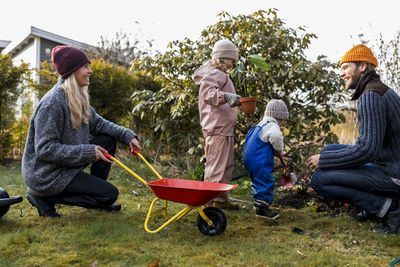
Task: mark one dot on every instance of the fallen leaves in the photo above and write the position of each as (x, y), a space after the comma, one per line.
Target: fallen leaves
(154, 264)
(301, 254)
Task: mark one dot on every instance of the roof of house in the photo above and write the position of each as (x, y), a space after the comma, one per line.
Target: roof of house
(36, 32)
(4, 43)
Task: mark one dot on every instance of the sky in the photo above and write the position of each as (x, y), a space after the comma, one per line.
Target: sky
(336, 23)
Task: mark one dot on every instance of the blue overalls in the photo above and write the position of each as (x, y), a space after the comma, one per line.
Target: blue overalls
(258, 160)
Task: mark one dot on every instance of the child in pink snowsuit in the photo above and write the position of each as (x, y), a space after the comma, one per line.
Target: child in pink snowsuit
(218, 116)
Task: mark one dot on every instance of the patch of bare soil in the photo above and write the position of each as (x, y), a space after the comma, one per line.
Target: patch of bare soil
(302, 195)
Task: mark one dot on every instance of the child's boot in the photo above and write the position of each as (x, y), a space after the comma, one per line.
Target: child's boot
(263, 211)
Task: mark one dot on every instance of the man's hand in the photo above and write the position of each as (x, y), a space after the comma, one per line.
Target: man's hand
(134, 144)
(99, 154)
(313, 161)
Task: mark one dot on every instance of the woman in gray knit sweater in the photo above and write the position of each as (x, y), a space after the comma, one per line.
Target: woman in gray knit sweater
(58, 144)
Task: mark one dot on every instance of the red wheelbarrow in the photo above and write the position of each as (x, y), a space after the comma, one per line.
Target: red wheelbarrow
(211, 221)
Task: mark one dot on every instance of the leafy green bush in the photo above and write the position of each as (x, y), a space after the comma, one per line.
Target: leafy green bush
(11, 87)
(310, 89)
(110, 89)
(47, 79)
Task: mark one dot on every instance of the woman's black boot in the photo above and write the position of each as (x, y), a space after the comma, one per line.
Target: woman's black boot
(44, 207)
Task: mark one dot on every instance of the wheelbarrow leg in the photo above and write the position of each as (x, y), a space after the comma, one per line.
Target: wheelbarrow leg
(175, 217)
(163, 210)
(217, 219)
(204, 216)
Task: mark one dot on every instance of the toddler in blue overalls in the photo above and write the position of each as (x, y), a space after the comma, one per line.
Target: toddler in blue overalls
(262, 142)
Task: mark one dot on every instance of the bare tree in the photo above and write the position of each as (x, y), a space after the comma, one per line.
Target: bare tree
(387, 53)
(122, 49)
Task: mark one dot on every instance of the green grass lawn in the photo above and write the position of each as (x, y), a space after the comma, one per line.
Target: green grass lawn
(84, 237)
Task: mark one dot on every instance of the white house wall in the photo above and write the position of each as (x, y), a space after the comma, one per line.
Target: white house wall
(29, 55)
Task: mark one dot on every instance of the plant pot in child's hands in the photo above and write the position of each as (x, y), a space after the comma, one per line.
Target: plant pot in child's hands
(248, 104)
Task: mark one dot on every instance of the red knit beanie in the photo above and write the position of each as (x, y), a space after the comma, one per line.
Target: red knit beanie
(67, 59)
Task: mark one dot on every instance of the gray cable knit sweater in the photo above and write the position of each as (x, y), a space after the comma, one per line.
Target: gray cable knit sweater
(54, 151)
(378, 112)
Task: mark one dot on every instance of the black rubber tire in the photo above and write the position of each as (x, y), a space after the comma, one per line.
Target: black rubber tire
(218, 218)
(4, 209)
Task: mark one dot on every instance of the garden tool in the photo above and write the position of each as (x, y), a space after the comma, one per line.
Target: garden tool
(288, 178)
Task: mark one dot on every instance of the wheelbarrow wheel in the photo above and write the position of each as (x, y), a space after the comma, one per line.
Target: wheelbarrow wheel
(218, 218)
(3, 209)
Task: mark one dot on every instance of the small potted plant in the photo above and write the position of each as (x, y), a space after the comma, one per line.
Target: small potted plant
(247, 102)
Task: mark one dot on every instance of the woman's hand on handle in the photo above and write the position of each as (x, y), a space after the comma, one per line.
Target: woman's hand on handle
(134, 145)
(99, 154)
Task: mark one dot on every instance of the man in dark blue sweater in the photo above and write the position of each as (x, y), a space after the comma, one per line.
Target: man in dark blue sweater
(366, 174)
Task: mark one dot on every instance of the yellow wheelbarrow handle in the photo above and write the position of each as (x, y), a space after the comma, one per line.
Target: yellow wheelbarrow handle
(127, 169)
(145, 161)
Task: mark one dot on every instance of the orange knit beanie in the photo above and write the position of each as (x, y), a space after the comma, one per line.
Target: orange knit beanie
(359, 53)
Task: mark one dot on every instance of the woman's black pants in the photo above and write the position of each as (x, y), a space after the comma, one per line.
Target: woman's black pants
(91, 190)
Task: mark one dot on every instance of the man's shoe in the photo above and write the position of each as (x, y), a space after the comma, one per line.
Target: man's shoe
(45, 208)
(265, 212)
(226, 205)
(113, 207)
(363, 216)
(391, 224)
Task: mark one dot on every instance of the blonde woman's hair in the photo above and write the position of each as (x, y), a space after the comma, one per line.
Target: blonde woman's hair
(220, 64)
(77, 100)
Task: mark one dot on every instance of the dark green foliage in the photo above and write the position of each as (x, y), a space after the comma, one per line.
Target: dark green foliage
(310, 89)
(48, 78)
(11, 86)
(110, 88)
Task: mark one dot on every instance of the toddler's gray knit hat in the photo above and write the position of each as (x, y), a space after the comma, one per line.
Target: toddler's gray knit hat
(276, 109)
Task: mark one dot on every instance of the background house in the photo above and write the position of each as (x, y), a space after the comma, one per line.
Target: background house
(3, 44)
(37, 45)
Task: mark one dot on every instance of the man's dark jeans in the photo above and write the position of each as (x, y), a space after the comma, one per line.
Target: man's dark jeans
(365, 186)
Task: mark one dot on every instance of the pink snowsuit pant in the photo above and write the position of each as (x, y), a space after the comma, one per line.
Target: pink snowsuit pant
(219, 161)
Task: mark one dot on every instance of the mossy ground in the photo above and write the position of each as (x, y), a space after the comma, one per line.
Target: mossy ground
(84, 237)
